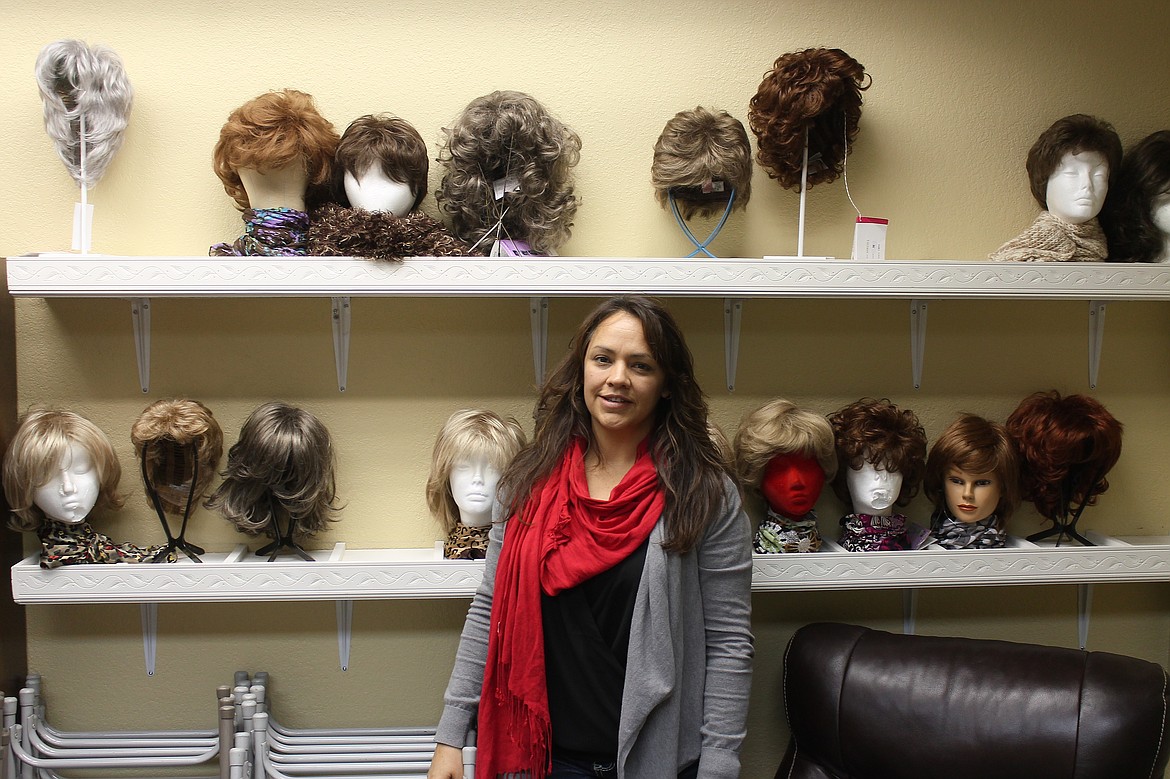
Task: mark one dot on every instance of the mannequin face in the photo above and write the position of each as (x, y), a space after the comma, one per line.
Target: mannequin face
(872, 488)
(72, 490)
(1161, 213)
(971, 497)
(1077, 188)
(792, 483)
(374, 191)
(473, 486)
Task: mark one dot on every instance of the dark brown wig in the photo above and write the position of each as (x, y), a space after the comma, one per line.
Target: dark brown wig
(815, 90)
(700, 157)
(379, 235)
(878, 432)
(1070, 135)
(1128, 215)
(390, 143)
(975, 445)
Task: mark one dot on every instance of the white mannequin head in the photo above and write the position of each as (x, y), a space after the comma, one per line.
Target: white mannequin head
(473, 488)
(872, 488)
(276, 187)
(1161, 214)
(1077, 187)
(72, 489)
(373, 190)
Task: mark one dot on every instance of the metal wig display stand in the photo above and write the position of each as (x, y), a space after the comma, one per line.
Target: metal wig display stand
(284, 537)
(701, 246)
(175, 543)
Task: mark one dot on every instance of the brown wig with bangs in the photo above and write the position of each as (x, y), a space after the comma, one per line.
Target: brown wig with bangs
(975, 445)
(1070, 135)
(390, 143)
(878, 432)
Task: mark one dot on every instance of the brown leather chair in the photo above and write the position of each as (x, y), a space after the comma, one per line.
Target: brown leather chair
(863, 703)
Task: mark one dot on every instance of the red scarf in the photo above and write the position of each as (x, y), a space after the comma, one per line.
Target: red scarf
(560, 538)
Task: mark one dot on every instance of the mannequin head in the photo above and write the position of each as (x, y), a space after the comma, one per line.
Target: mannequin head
(510, 140)
(178, 440)
(1071, 164)
(278, 147)
(876, 440)
(818, 90)
(58, 467)
(700, 157)
(1136, 216)
(973, 471)
(1066, 446)
(283, 462)
(471, 451)
(382, 163)
(785, 453)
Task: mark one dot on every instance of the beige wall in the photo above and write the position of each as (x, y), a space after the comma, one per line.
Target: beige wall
(960, 91)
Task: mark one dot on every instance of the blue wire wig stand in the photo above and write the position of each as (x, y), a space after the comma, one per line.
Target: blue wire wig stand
(701, 246)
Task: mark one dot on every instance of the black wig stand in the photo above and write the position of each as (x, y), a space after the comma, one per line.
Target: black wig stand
(1066, 525)
(175, 543)
(284, 539)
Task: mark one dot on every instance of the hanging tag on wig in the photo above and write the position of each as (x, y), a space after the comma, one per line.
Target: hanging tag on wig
(869, 238)
(510, 183)
(82, 227)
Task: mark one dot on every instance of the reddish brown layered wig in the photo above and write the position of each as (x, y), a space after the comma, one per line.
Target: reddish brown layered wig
(877, 431)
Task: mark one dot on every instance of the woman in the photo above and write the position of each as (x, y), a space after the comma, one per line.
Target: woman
(617, 598)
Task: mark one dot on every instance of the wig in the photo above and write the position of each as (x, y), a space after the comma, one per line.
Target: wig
(41, 442)
(468, 434)
(878, 432)
(282, 462)
(1070, 135)
(84, 84)
(1128, 215)
(510, 141)
(273, 131)
(700, 158)
(779, 427)
(975, 445)
(180, 444)
(817, 91)
(690, 467)
(379, 235)
(388, 142)
(1066, 446)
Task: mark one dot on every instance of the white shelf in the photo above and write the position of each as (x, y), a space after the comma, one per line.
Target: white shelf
(97, 276)
(372, 574)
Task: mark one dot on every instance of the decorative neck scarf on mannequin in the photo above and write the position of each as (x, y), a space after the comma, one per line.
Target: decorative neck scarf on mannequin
(950, 533)
(869, 533)
(778, 534)
(269, 232)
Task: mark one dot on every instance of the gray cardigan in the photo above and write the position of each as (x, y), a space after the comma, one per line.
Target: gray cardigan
(688, 672)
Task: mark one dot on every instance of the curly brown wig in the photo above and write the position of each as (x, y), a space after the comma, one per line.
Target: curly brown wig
(1128, 215)
(878, 432)
(390, 143)
(975, 445)
(379, 235)
(818, 90)
(1066, 445)
(1070, 135)
(700, 157)
(177, 438)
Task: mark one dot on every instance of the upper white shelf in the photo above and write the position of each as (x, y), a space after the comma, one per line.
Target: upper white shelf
(70, 275)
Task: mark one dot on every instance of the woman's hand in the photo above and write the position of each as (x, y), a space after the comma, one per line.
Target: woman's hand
(447, 763)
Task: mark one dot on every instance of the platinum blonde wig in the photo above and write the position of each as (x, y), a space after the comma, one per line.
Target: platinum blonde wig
(175, 439)
(779, 427)
(79, 82)
(701, 156)
(509, 137)
(467, 434)
(283, 460)
(37, 449)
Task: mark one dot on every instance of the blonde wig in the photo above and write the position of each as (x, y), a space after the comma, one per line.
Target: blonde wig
(37, 449)
(508, 139)
(178, 441)
(468, 434)
(779, 427)
(84, 84)
(388, 142)
(283, 462)
(273, 131)
(817, 91)
(700, 157)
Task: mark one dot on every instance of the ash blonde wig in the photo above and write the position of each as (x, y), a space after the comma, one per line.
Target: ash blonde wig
(273, 131)
(41, 442)
(697, 150)
(468, 434)
(283, 461)
(176, 438)
(779, 427)
(388, 142)
(498, 137)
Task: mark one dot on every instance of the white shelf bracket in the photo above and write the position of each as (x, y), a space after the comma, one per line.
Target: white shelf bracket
(917, 339)
(1084, 611)
(1096, 335)
(344, 631)
(140, 313)
(538, 315)
(909, 610)
(149, 634)
(341, 326)
(732, 322)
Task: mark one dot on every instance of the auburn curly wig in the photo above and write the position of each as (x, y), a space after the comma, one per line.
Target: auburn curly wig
(1066, 445)
(818, 90)
(272, 131)
(509, 137)
(390, 143)
(975, 445)
(700, 157)
(779, 427)
(1128, 215)
(878, 432)
(1070, 135)
(170, 437)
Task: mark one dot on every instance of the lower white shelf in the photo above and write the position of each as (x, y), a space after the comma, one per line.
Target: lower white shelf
(371, 574)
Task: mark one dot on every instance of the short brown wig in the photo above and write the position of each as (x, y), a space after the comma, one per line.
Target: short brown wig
(1128, 215)
(176, 439)
(878, 432)
(273, 131)
(975, 445)
(388, 142)
(818, 90)
(697, 151)
(1066, 445)
(779, 427)
(1071, 135)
